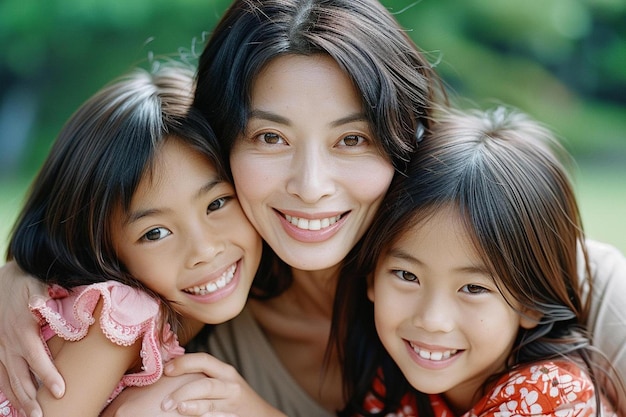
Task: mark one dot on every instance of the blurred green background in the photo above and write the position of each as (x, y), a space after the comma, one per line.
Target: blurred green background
(562, 61)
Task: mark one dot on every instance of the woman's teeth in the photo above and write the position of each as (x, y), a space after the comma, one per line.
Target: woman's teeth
(214, 285)
(433, 356)
(312, 224)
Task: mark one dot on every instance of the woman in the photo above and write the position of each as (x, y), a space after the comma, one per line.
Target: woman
(317, 104)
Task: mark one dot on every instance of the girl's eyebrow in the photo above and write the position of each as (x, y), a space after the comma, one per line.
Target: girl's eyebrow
(139, 214)
(469, 269)
(276, 118)
(214, 182)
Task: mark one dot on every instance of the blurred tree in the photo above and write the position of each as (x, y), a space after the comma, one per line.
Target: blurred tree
(564, 61)
(56, 53)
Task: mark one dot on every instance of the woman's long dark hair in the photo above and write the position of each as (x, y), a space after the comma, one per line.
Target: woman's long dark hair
(397, 84)
(504, 174)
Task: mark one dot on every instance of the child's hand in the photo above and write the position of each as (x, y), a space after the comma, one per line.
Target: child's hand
(146, 401)
(223, 392)
(20, 345)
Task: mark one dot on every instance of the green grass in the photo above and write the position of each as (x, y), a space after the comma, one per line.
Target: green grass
(601, 195)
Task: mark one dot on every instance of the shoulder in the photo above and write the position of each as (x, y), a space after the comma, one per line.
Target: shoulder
(606, 262)
(542, 388)
(126, 312)
(607, 320)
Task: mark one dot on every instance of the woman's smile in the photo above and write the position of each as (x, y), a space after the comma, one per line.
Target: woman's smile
(307, 170)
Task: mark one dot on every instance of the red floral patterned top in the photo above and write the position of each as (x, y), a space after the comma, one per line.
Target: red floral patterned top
(551, 388)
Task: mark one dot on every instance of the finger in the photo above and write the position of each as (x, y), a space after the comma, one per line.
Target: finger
(20, 390)
(5, 387)
(196, 408)
(41, 365)
(199, 362)
(219, 414)
(202, 408)
(201, 389)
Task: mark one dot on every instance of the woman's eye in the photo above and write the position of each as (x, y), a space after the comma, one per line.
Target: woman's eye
(217, 204)
(406, 276)
(270, 138)
(157, 233)
(474, 289)
(352, 140)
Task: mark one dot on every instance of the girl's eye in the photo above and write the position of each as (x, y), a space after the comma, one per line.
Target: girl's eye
(352, 140)
(217, 204)
(157, 233)
(405, 275)
(270, 138)
(474, 289)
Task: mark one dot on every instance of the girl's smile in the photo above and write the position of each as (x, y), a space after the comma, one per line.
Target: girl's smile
(438, 311)
(187, 238)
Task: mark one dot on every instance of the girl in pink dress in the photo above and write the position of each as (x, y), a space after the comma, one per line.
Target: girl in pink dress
(472, 304)
(134, 227)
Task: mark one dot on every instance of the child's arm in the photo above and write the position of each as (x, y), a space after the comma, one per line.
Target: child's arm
(92, 367)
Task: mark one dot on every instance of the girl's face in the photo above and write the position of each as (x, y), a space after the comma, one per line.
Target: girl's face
(186, 237)
(438, 311)
(307, 171)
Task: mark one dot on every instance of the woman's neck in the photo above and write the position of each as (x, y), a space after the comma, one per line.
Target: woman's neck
(313, 292)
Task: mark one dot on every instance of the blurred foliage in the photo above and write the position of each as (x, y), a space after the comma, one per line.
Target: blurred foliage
(563, 61)
(56, 53)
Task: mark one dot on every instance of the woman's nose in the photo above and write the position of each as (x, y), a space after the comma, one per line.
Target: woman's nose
(311, 175)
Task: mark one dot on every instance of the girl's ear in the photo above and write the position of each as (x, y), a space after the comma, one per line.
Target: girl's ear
(370, 287)
(529, 319)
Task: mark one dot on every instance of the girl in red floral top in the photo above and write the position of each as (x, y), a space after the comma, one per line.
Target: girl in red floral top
(472, 304)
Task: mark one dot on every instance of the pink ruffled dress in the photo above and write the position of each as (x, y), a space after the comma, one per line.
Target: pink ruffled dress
(128, 314)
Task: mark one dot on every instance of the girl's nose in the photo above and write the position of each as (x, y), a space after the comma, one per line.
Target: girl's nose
(203, 246)
(434, 314)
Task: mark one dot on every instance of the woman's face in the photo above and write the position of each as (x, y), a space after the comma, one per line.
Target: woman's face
(307, 171)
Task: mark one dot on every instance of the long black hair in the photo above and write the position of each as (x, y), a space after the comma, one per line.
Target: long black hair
(63, 233)
(397, 84)
(506, 176)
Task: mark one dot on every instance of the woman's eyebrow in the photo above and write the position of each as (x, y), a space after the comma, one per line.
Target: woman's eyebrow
(276, 118)
(351, 118)
(266, 115)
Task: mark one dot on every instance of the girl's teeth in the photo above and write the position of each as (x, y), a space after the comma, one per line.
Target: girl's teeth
(313, 224)
(213, 286)
(433, 356)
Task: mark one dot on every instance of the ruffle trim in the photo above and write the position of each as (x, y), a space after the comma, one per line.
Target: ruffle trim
(127, 314)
